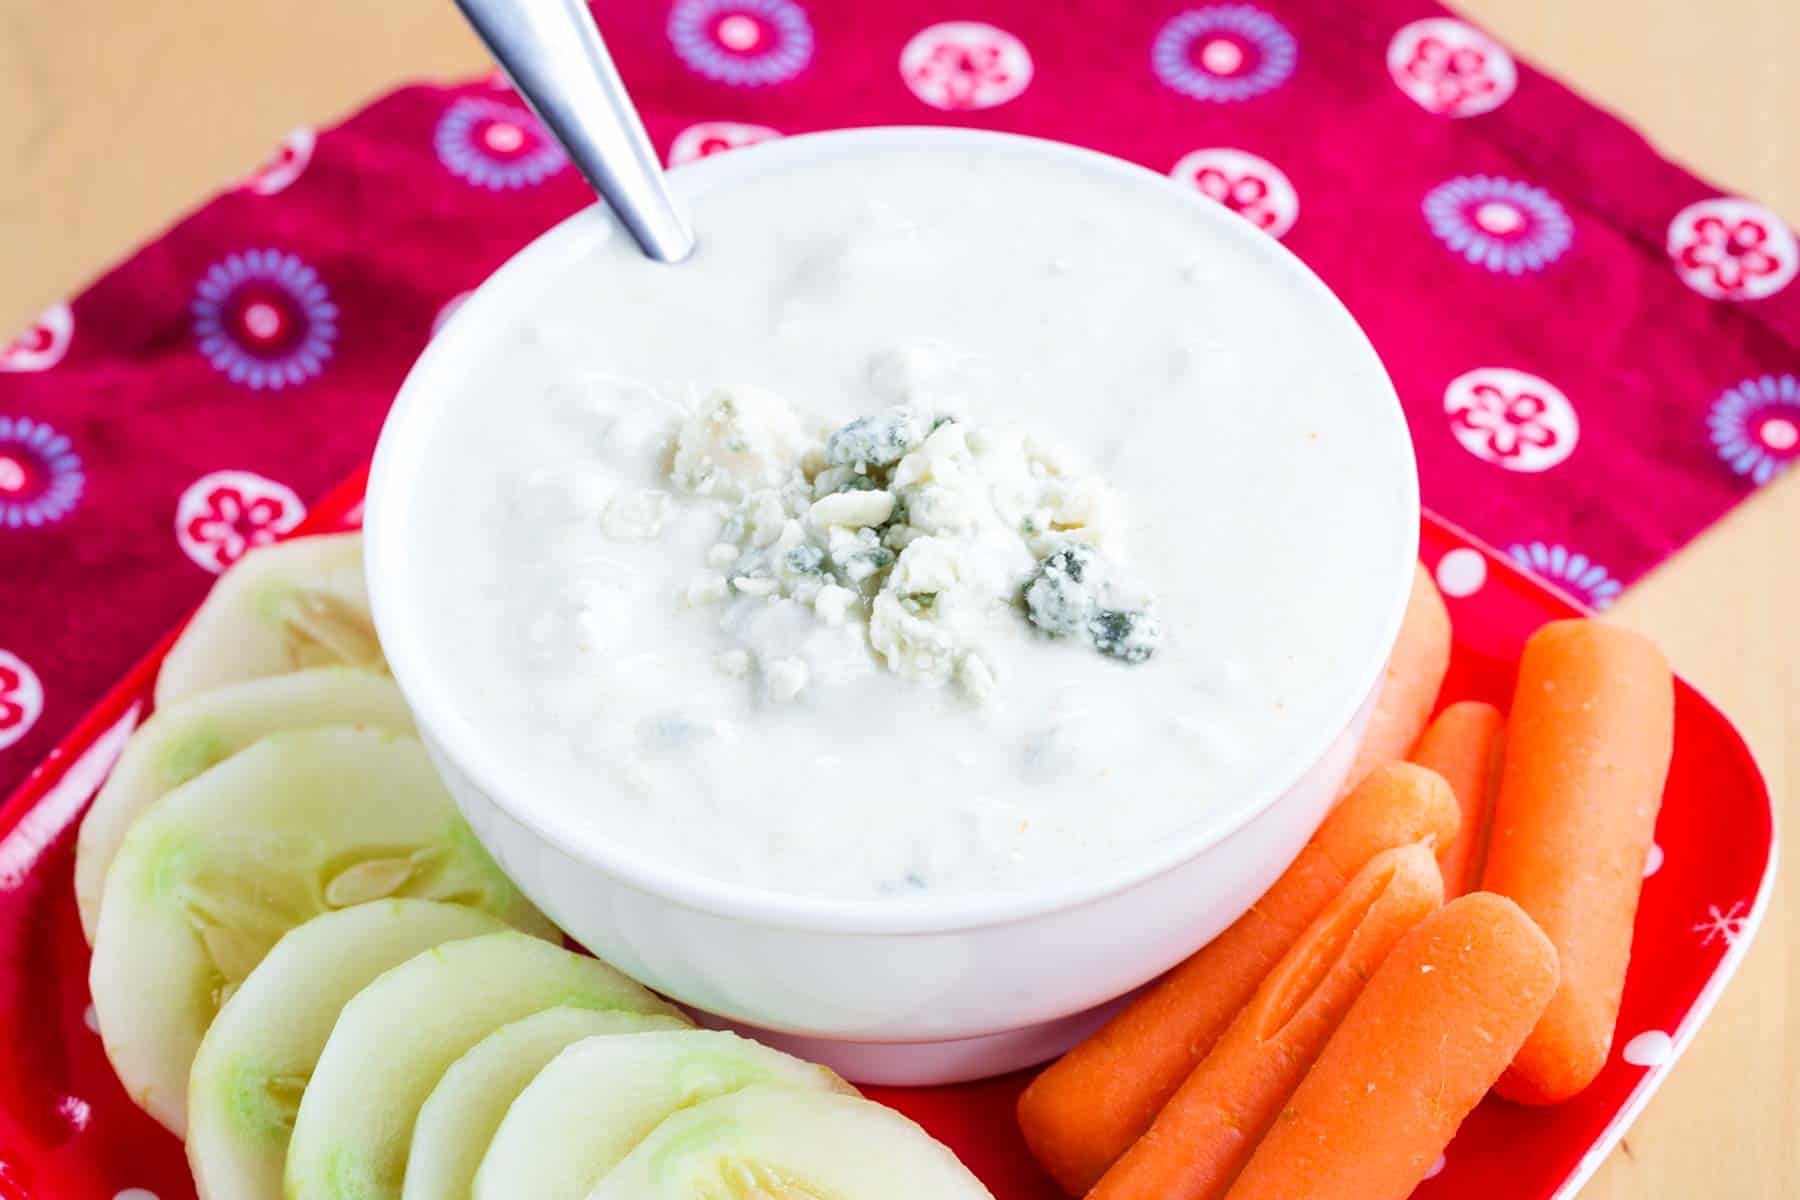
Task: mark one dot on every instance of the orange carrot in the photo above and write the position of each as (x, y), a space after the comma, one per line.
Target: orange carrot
(1587, 752)
(1087, 1108)
(1463, 745)
(1205, 1135)
(1436, 1025)
(1409, 690)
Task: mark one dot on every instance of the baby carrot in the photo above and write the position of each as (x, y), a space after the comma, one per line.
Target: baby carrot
(1409, 690)
(1205, 1135)
(1463, 745)
(1587, 751)
(1087, 1108)
(1436, 1025)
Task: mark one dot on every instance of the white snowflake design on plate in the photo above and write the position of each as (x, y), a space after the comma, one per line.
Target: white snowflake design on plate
(76, 1111)
(42, 344)
(1732, 249)
(714, 137)
(495, 145)
(1451, 68)
(1511, 418)
(21, 698)
(744, 43)
(292, 155)
(1575, 573)
(1755, 426)
(961, 66)
(1224, 53)
(1505, 225)
(265, 319)
(225, 514)
(1253, 188)
(41, 477)
(1725, 925)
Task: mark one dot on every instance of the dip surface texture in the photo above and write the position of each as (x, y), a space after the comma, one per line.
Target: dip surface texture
(697, 671)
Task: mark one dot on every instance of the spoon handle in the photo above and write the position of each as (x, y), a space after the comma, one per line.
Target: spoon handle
(553, 54)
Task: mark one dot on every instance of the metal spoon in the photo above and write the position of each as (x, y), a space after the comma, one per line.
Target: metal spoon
(553, 54)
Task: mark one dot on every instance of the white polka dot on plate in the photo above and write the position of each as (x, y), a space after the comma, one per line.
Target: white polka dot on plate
(1437, 1168)
(91, 1018)
(136, 1194)
(1461, 572)
(1651, 1048)
(1653, 861)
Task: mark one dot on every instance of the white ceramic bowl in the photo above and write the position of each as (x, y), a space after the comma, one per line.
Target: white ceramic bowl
(929, 992)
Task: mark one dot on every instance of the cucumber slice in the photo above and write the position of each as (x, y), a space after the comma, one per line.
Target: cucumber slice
(280, 608)
(259, 1052)
(460, 1116)
(181, 741)
(396, 1039)
(217, 870)
(589, 1108)
(767, 1143)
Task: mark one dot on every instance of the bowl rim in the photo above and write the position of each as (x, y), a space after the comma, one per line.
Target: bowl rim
(401, 445)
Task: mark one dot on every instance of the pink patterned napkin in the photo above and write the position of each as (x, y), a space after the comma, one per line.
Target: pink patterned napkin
(1597, 351)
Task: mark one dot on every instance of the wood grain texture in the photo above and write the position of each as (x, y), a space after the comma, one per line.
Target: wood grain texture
(121, 116)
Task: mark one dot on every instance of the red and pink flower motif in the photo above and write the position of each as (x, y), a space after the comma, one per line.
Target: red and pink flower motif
(226, 514)
(1511, 419)
(1505, 225)
(1451, 68)
(1731, 249)
(960, 66)
(42, 344)
(21, 698)
(264, 319)
(41, 476)
(292, 154)
(1224, 53)
(714, 137)
(1755, 426)
(1253, 188)
(496, 145)
(744, 43)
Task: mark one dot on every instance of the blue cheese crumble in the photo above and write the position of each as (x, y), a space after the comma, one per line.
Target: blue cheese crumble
(914, 531)
(1073, 595)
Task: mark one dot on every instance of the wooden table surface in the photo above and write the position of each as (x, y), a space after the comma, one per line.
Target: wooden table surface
(119, 116)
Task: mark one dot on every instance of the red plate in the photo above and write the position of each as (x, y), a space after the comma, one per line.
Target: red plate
(68, 1132)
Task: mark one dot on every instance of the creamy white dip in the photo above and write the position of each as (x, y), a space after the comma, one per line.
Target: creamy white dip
(666, 576)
